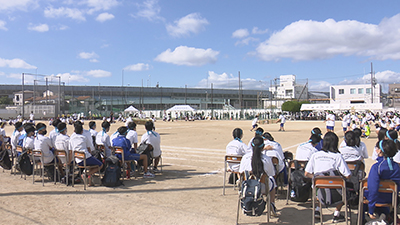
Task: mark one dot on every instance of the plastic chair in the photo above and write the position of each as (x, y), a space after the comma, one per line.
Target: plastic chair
(385, 186)
(264, 179)
(120, 150)
(292, 166)
(82, 156)
(330, 182)
(234, 159)
(37, 153)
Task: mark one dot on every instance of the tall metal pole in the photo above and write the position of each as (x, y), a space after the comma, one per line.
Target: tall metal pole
(59, 95)
(212, 102)
(122, 86)
(23, 96)
(185, 94)
(372, 85)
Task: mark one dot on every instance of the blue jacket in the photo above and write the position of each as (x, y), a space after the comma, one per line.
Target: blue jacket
(380, 171)
(121, 141)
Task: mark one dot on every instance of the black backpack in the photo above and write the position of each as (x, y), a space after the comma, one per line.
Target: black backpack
(300, 185)
(112, 174)
(353, 186)
(5, 161)
(24, 163)
(251, 199)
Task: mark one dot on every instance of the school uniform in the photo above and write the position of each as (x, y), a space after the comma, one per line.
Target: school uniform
(79, 143)
(44, 144)
(14, 139)
(113, 136)
(52, 135)
(275, 152)
(282, 119)
(132, 136)
(254, 122)
(102, 138)
(62, 143)
(93, 133)
(28, 142)
(152, 138)
(126, 145)
(322, 161)
(89, 141)
(235, 147)
(304, 151)
(362, 149)
(330, 121)
(350, 154)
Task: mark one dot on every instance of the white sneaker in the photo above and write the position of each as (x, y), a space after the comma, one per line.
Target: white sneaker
(148, 175)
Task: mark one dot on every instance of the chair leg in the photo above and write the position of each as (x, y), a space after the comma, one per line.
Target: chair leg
(238, 209)
(223, 185)
(313, 206)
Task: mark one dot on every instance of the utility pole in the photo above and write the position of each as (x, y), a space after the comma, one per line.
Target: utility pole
(372, 84)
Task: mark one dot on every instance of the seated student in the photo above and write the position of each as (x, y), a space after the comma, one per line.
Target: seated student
(382, 135)
(154, 140)
(258, 163)
(92, 130)
(102, 138)
(235, 147)
(53, 134)
(274, 149)
(326, 161)
(305, 150)
(62, 142)
(15, 136)
(28, 142)
(46, 146)
(350, 152)
(87, 134)
(80, 143)
(383, 169)
(125, 144)
(366, 130)
(259, 132)
(318, 131)
(132, 135)
(361, 146)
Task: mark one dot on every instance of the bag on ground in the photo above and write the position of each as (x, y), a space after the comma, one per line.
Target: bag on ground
(5, 161)
(25, 164)
(112, 174)
(251, 199)
(300, 185)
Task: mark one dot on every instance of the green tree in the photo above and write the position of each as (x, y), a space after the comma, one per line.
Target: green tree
(293, 106)
(5, 100)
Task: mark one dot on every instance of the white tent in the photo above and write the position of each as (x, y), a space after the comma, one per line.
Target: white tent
(131, 109)
(179, 108)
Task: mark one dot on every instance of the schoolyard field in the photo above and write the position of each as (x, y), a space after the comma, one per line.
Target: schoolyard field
(188, 191)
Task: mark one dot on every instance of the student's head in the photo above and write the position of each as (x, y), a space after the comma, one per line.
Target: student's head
(149, 125)
(382, 134)
(122, 130)
(330, 142)
(387, 147)
(256, 163)
(18, 126)
(392, 135)
(132, 126)
(315, 139)
(105, 125)
(30, 130)
(316, 131)
(259, 131)
(55, 122)
(237, 133)
(62, 128)
(92, 125)
(41, 128)
(78, 128)
(268, 136)
(350, 138)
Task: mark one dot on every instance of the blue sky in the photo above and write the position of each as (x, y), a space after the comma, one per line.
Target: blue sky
(196, 43)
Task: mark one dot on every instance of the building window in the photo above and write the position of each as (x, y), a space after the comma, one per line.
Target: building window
(361, 91)
(397, 90)
(368, 90)
(341, 91)
(352, 91)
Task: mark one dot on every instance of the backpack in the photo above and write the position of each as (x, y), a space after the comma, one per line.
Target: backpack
(353, 186)
(300, 185)
(98, 155)
(24, 164)
(112, 174)
(251, 199)
(5, 161)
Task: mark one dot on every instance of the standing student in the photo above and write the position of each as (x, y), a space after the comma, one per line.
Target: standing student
(326, 161)
(282, 121)
(254, 123)
(330, 121)
(345, 121)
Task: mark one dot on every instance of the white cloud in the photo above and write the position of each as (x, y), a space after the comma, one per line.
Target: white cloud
(63, 27)
(104, 17)
(39, 28)
(137, 67)
(256, 30)
(228, 81)
(15, 63)
(17, 4)
(149, 10)
(319, 86)
(192, 23)
(308, 40)
(97, 5)
(188, 56)
(75, 14)
(3, 25)
(246, 41)
(68, 77)
(92, 56)
(240, 33)
(99, 73)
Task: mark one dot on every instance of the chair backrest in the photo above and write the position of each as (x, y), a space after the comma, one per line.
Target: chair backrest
(329, 182)
(19, 149)
(79, 155)
(60, 153)
(233, 158)
(385, 186)
(352, 165)
(118, 150)
(301, 164)
(37, 153)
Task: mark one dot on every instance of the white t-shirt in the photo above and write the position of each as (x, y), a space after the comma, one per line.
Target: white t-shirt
(44, 144)
(276, 147)
(254, 121)
(132, 136)
(245, 164)
(102, 138)
(282, 118)
(62, 143)
(304, 151)
(152, 138)
(52, 135)
(330, 120)
(93, 133)
(350, 154)
(322, 161)
(235, 147)
(28, 142)
(362, 149)
(14, 139)
(78, 143)
(128, 120)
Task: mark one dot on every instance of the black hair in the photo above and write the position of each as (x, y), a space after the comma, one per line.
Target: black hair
(29, 128)
(358, 132)
(392, 135)
(17, 125)
(55, 122)
(382, 134)
(131, 125)
(315, 139)
(122, 130)
(149, 125)
(92, 124)
(350, 138)
(388, 146)
(78, 122)
(78, 128)
(316, 130)
(257, 166)
(105, 124)
(330, 142)
(237, 133)
(259, 132)
(40, 127)
(268, 136)
(61, 127)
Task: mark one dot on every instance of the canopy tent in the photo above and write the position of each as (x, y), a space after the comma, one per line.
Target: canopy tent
(131, 109)
(180, 108)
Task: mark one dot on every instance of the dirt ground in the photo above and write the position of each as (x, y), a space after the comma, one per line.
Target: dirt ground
(189, 191)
